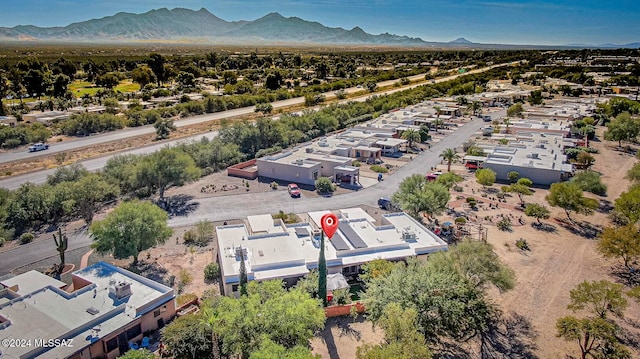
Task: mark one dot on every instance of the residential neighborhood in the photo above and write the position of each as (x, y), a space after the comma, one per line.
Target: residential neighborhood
(169, 188)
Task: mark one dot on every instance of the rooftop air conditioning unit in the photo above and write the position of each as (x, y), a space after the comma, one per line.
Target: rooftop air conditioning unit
(122, 289)
(309, 149)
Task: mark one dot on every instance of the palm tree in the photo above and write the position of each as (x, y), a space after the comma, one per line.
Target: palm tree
(209, 320)
(507, 122)
(437, 121)
(412, 136)
(475, 107)
(450, 156)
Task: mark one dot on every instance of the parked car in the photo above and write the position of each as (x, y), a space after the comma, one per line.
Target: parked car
(38, 147)
(293, 189)
(385, 203)
(486, 118)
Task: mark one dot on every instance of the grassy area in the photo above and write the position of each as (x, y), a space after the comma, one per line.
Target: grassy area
(80, 88)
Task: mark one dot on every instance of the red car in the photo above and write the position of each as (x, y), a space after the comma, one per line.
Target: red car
(293, 189)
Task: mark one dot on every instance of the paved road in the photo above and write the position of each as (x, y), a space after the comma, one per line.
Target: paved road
(240, 206)
(95, 164)
(227, 207)
(119, 135)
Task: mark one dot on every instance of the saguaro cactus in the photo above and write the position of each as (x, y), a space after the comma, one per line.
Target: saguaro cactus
(61, 245)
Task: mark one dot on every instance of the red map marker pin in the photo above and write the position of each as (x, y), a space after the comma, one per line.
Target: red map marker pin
(329, 224)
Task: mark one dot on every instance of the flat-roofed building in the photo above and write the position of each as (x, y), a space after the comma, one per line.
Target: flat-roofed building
(538, 157)
(305, 167)
(106, 309)
(274, 250)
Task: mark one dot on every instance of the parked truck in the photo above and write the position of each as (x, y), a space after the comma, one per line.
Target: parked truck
(38, 147)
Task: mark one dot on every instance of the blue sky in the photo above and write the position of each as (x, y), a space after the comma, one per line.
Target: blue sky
(489, 21)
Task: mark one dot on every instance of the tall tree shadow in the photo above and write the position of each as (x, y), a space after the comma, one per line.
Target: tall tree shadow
(179, 205)
(508, 337)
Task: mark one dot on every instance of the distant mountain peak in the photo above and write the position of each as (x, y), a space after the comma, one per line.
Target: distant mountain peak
(460, 40)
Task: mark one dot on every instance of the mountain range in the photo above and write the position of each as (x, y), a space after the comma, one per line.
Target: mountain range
(201, 26)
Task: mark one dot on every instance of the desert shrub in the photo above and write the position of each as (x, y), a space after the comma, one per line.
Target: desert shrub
(186, 278)
(504, 225)
(341, 296)
(379, 169)
(590, 181)
(522, 244)
(211, 272)
(356, 164)
(185, 298)
(460, 220)
(274, 185)
(457, 188)
(26, 238)
(190, 237)
(324, 185)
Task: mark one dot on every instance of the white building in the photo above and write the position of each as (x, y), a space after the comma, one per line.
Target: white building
(104, 310)
(538, 157)
(273, 250)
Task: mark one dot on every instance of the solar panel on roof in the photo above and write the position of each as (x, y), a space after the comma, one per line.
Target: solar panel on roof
(351, 235)
(339, 243)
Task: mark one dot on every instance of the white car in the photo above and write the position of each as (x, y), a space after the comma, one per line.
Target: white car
(38, 147)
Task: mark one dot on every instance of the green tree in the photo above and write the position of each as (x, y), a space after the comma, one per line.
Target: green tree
(265, 108)
(590, 181)
(623, 128)
(628, 204)
(411, 136)
(537, 211)
(60, 85)
(90, 192)
(585, 159)
(157, 64)
(165, 168)
(131, 228)
(108, 81)
(569, 197)
(415, 195)
(142, 75)
(515, 110)
(596, 337)
(521, 188)
(449, 179)
(286, 317)
(270, 350)
(322, 273)
(4, 90)
(376, 268)
(446, 286)
(402, 340)
(243, 274)
(485, 177)
(187, 337)
(513, 176)
(535, 98)
(475, 107)
(163, 127)
(634, 172)
(424, 133)
(599, 298)
(324, 185)
(70, 173)
(138, 354)
(449, 155)
(622, 242)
